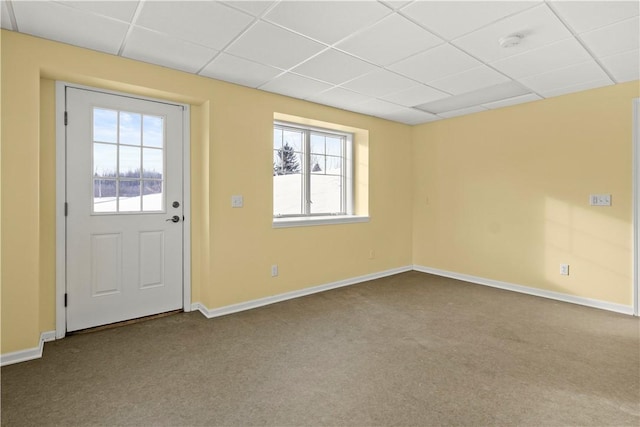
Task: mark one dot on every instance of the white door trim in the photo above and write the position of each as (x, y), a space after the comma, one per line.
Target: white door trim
(636, 207)
(61, 243)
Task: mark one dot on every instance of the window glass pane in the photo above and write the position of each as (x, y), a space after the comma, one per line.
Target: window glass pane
(129, 162)
(287, 194)
(105, 160)
(293, 139)
(326, 194)
(317, 144)
(153, 163)
(287, 161)
(105, 125)
(334, 165)
(153, 131)
(104, 195)
(334, 146)
(129, 196)
(152, 198)
(277, 139)
(130, 127)
(318, 164)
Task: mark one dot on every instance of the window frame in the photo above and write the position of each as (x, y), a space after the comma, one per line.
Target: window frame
(347, 178)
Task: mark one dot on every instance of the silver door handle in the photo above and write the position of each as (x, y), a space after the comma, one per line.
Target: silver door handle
(174, 218)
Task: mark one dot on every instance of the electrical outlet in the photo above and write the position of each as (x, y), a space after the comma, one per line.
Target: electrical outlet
(564, 269)
(274, 270)
(600, 199)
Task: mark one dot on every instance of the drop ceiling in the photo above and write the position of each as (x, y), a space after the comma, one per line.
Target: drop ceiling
(406, 61)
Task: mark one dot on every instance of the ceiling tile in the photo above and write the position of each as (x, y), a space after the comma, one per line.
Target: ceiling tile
(207, 23)
(415, 95)
(239, 70)
(72, 26)
(5, 21)
(462, 112)
(585, 16)
(157, 48)
(271, 45)
(410, 116)
(435, 63)
(390, 40)
(455, 18)
(379, 83)
(624, 66)
(535, 61)
(565, 77)
(122, 10)
(577, 87)
(512, 101)
(255, 8)
(469, 80)
(539, 26)
(376, 107)
(615, 38)
(326, 21)
(334, 67)
(339, 97)
(295, 86)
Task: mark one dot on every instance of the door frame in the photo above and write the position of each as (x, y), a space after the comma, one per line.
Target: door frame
(636, 207)
(61, 185)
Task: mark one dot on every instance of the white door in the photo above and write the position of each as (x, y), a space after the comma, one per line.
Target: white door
(124, 208)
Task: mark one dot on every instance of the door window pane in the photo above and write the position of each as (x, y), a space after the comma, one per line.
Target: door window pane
(129, 196)
(129, 162)
(152, 197)
(105, 160)
(105, 125)
(153, 133)
(130, 128)
(153, 163)
(104, 195)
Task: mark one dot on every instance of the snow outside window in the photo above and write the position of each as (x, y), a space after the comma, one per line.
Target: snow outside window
(312, 170)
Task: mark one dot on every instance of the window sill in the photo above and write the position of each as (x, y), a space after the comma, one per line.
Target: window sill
(318, 220)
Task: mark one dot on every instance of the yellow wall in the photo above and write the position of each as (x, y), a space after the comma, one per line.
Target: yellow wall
(503, 194)
(231, 131)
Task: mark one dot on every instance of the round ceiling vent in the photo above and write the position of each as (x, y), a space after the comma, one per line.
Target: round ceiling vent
(510, 40)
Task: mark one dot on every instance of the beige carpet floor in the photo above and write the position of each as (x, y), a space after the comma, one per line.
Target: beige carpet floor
(407, 350)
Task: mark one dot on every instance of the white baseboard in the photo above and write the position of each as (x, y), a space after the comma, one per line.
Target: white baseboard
(234, 308)
(603, 305)
(30, 353)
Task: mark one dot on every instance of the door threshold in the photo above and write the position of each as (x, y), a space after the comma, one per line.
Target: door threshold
(124, 323)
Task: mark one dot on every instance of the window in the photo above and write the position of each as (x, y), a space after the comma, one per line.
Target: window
(312, 172)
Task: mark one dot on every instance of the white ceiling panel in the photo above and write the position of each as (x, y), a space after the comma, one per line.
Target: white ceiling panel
(625, 66)
(334, 67)
(512, 101)
(469, 80)
(5, 21)
(538, 25)
(565, 77)
(615, 38)
(326, 21)
(379, 83)
(157, 48)
(271, 45)
(295, 86)
(390, 40)
(239, 70)
(585, 16)
(72, 26)
(451, 19)
(122, 10)
(577, 87)
(339, 97)
(462, 112)
(396, 4)
(207, 23)
(435, 63)
(255, 8)
(410, 116)
(377, 107)
(415, 95)
(536, 61)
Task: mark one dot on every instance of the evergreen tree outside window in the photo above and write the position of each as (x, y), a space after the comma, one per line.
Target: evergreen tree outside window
(312, 171)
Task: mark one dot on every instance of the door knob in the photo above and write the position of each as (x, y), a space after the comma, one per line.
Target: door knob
(174, 218)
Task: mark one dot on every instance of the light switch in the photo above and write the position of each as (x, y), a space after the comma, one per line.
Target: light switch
(237, 201)
(600, 199)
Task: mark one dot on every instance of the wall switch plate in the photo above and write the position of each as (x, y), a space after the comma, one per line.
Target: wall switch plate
(237, 201)
(564, 269)
(274, 270)
(600, 199)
